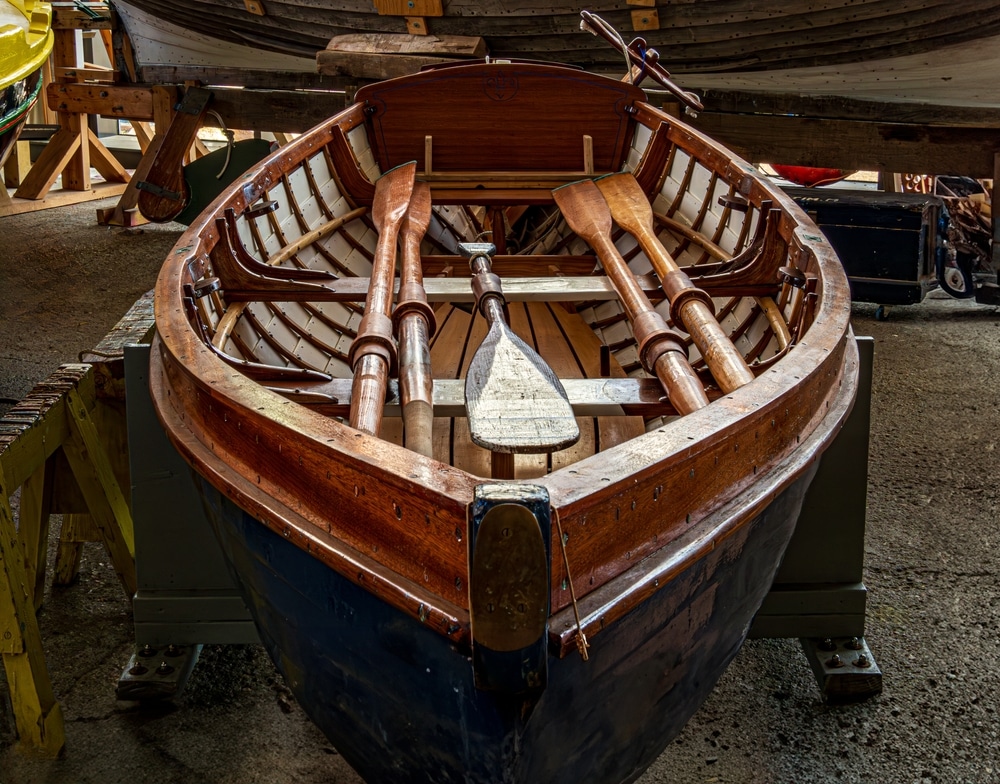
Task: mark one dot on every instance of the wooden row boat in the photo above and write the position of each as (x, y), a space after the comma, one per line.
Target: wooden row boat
(25, 43)
(507, 514)
(934, 52)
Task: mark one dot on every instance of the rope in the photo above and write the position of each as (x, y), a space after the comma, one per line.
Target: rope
(581, 638)
(229, 141)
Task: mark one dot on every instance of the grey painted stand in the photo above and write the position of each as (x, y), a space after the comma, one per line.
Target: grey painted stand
(187, 598)
(818, 595)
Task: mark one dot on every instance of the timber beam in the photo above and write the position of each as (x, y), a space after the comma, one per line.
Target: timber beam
(856, 144)
(281, 111)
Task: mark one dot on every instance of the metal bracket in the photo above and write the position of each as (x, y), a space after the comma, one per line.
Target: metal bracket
(156, 190)
(844, 667)
(157, 673)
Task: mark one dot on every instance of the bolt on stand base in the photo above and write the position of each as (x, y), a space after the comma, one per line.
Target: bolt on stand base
(157, 672)
(844, 667)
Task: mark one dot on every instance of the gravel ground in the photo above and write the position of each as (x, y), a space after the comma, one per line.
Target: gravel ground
(931, 569)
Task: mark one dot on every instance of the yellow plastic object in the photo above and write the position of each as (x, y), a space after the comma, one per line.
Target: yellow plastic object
(25, 38)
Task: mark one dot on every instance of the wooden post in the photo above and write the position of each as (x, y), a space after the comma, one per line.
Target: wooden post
(33, 518)
(37, 715)
(126, 212)
(100, 488)
(73, 149)
(17, 165)
(76, 530)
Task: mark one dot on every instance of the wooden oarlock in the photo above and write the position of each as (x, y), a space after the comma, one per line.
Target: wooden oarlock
(414, 324)
(692, 306)
(373, 352)
(662, 351)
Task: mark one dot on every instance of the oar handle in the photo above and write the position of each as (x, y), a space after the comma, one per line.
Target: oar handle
(373, 353)
(416, 384)
(694, 308)
(661, 350)
(415, 324)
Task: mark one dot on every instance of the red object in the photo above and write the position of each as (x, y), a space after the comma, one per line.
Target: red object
(810, 176)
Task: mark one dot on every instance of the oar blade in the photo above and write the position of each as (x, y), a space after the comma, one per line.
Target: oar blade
(627, 201)
(392, 196)
(418, 213)
(514, 402)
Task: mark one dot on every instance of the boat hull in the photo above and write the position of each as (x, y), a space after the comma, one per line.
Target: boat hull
(432, 611)
(398, 700)
(903, 51)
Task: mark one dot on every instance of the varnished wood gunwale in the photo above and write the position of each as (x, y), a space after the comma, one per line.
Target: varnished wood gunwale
(395, 522)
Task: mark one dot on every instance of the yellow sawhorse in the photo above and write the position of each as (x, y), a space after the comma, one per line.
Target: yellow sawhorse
(52, 449)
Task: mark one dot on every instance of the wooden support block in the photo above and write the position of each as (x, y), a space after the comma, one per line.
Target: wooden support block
(645, 3)
(416, 25)
(373, 66)
(409, 7)
(646, 20)
(134, 103)
(87, 74)
(255, 7)
(386, 55)
(77, 530)
(37, 715)
(18, 164)
(396, 43)
(64, 54)
(65, 16)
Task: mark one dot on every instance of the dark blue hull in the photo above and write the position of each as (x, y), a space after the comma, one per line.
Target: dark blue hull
(399, 702)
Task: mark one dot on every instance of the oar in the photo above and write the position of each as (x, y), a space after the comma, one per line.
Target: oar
(373, 352)
(514, 402)
(414, 321)
(632, 211)
(661, 350)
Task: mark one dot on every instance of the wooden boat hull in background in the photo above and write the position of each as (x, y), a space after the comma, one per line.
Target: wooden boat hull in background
(881, 50)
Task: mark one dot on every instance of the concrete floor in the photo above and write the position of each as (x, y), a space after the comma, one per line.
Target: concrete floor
(931, 568)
